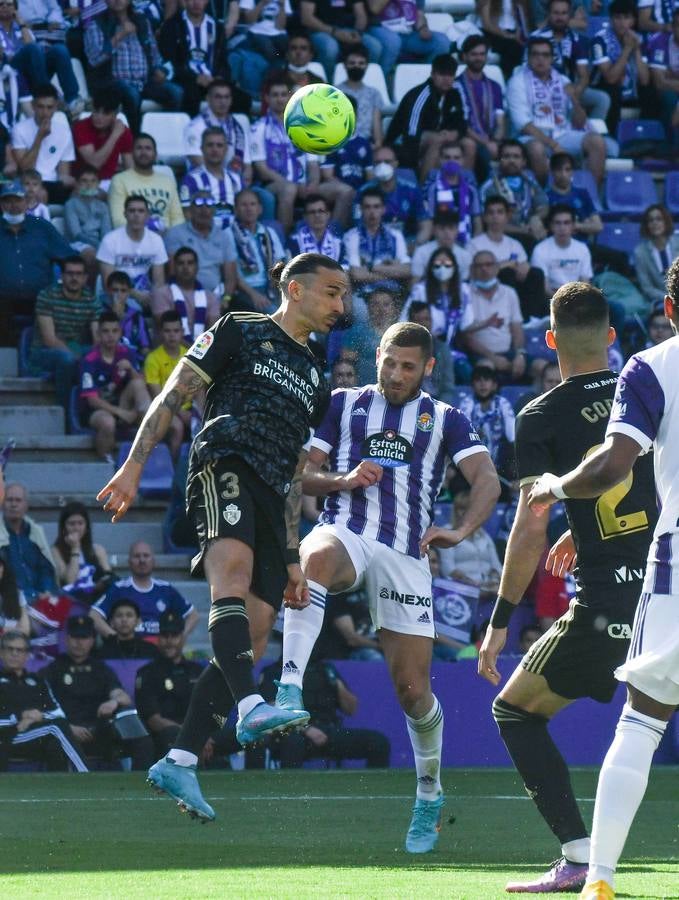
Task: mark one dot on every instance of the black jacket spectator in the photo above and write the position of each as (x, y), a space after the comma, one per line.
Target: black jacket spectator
(422, 109)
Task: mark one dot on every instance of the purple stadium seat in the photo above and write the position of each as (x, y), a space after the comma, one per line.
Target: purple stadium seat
(442, 513)
(594, 24)
(629, 193)
(493, 524)
(622, 236)
(583, 178)
(156, 479)
(459, 394)
(517, 394)
(672, 192)
(640, 130)
(126, 670)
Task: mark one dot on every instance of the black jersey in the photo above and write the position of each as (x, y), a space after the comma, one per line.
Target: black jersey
(21, 692)
(81, 688)
(164, 687)
(265, 392)
(554, 433)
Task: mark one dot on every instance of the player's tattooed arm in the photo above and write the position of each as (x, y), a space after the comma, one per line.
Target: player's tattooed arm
(182, 385)
(293, 505)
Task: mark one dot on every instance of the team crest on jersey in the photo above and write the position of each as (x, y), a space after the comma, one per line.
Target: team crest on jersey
(267, 345)
(202, 345)
(231, 514)
(425, 422)
(388, 449)
(314, 377)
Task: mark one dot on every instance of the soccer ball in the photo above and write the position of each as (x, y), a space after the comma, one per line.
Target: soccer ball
(319, 118)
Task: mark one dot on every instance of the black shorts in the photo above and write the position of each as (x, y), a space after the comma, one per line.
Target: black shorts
(227, 499)
(580, 652)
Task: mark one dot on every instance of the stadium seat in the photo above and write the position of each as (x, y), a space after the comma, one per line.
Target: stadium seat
(459, 394)
(79, 73)
(493, 72)
(594, 24)
(374, 77)
(408, 175)
(278, 228)
(441, 513)
(535, 344)
(439, 21)
(493, 524)
(317, 68)
(517, 394)
(168, 131)
(640, 130)
(629, 193)
(583, 178)
(622, 236)
(407, 76)
(74, 425)
(60, 224)
(156, 479)
(672, 192)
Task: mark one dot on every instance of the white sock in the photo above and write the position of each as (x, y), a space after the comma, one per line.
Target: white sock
(300, 632)
(622, 784)
(248, 703)
(577, 851)
(183, 757)
(426, 737)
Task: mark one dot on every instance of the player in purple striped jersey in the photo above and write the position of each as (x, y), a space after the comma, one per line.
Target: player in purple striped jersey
(387, 446)
(645, 415)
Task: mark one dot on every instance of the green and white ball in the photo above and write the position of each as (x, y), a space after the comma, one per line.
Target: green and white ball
(319, 118)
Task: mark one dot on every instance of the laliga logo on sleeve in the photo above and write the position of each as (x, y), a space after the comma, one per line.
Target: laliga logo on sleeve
(314, 377)
(202, 345)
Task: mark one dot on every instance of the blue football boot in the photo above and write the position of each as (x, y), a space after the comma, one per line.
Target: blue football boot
(289, 696)
(263, 720)
(425, 825)
(180, 783)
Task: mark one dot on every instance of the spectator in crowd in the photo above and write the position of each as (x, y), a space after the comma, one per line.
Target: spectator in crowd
(441, 383)
(659, 329)
(214, 176)
(254, 247)
(571, 57)
(103, 141)
(562, 190)
(336, 26)
(654, 17)
(218, 114)
(376, 253)
(112, 392)
(264, 38)
(82, 567)
(119, 299)
(446, 226)
(44, 142)
(619, 63)
(491, 414)
(654, 254)
(31, 181)
(207, 239)
(442, 291)
(404, 208)
(14, 88)
(506, 27)
(13, 612)
(284, 170)
(159, 365)
(152, 595)
(527, 201)
(90, 694)
(483, 103)
(515, 270)
(549, 594)
(327, 697)
(87, 219)
(663, 54)
(492, 323)
(315, 233)
(402, 30)
(429, 115)
(65, 327)
(360, 342)
(343, 374)
(298, 56)
(32, 724)
(348, 631)
(547, 115)
(191, 41)
(164, 686)
(528, 635)
(120, 46)
(197, 308)
(550, 377)
(135, 249)
(28, 247)
(369, 102)
(560, 257)
(124, 618)
(352, 164)
(36, 49)
(474, 561)
(450, 186)
(158, 188)
(24, 547)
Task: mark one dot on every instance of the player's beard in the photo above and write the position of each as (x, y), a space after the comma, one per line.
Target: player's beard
(398, 396)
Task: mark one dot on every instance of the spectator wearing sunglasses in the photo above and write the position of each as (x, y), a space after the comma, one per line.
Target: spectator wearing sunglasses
(201, 233)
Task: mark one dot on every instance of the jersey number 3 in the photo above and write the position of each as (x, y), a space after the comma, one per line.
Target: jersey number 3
(610, 524)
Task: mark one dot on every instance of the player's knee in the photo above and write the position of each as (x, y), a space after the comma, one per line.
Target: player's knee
(410, 691)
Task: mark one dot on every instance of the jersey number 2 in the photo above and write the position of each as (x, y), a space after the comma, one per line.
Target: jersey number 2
(610, 524)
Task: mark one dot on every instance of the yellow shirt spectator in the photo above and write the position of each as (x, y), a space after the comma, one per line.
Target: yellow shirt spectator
(158, 367)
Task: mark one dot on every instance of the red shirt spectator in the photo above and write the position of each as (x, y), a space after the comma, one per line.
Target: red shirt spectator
(91, 134)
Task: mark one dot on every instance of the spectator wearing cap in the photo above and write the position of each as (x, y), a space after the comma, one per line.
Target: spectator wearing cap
(28, 248)
(151, 595)
(91, 696)
(164, 686)
(213, 176)
(208, 239)
(197, 308)
(32, 724)
(124, 619)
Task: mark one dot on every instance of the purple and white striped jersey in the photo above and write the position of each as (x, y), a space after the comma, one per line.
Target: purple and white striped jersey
(646, 408)
(413, 443)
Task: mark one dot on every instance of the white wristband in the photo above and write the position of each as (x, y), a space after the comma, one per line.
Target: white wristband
(557, 489)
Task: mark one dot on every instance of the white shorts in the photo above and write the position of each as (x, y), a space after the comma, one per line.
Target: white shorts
(652, 664)
(398, 586)
(570, 140)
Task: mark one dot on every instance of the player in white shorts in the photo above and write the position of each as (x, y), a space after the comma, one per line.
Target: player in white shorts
(645, 415)
(387, 447)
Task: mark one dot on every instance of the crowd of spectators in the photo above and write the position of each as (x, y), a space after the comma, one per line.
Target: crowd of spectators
(462, 208)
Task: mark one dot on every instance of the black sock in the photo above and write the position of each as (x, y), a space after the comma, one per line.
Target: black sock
(230, 635)
(542, 768)
(211, 703)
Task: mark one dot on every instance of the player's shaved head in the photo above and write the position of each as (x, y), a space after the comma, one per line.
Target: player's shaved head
(580, 319)
(409, 334)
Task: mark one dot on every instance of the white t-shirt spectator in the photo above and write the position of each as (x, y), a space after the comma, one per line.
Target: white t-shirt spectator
(57, 147)
(266, 24)
(562, 264)
(352, 245)
(134, 257)
(506, 249)
(422, 255)
(504, 303)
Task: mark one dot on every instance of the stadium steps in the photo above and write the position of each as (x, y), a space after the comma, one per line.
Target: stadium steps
(117, 538)
(54, 447)
(457, 8)
(89, 477)
(17, 421)
(25, 391)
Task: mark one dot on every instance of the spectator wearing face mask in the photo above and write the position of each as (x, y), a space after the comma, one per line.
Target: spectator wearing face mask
(369, 103)
(403, 205)
(453, 187)
(443, 293)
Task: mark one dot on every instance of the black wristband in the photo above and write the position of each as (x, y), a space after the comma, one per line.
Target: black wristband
(292, 556)
(502, 612)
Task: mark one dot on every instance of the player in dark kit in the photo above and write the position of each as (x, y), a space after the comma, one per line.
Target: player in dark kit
(577, 656)
(265, 390)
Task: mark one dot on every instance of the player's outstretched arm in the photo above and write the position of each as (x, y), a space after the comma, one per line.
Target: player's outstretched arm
(181, 386)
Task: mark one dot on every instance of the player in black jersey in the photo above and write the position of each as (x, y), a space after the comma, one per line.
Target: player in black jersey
(265, 390)
(577, 656)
